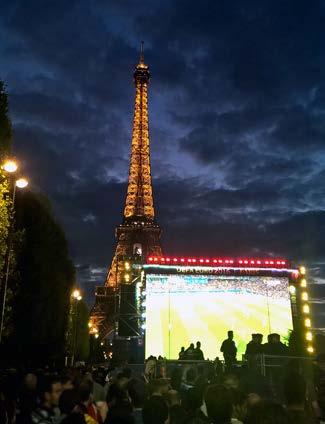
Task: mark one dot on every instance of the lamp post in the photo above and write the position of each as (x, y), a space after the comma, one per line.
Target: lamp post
(11, 167)
(76, 297)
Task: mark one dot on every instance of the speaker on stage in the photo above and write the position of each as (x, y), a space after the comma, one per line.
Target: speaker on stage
(128, 325)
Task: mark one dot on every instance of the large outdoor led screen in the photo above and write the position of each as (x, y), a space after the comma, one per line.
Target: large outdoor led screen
(184, 309)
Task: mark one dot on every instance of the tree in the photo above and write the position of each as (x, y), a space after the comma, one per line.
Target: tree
(5, 144)
(46, 278)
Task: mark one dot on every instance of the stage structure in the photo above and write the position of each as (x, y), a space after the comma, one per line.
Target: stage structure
(184, 300)
(137, 236)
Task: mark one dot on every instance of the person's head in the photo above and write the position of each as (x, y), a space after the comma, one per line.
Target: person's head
(49, 390)
(155, 410)
(137, 391)
(193, 399)
(198, 345)
(66, 382)
(276, 338)
(295, 390)
(182, 349)
(84, 391)
(192, 346)
(231, 381)
(69, 399)
(254, 337)
(158, 387)
(191, 375)
(30, 382)
(259, 338)
(173, 398)
(270, 338)
(267, 412)
(218, 403)
(230, 335)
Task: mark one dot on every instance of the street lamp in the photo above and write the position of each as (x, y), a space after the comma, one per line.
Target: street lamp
(11, 167)
(76, 297)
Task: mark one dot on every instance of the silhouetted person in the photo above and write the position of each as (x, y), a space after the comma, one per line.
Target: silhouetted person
(190, 352)
(229, 350)
(218, 404)
(254, 347)
(182, 354)
(198, 352)
(279, 348)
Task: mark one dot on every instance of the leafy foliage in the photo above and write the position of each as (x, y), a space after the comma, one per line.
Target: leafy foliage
(41, 304)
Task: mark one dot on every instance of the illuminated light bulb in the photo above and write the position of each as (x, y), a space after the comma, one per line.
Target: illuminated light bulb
(309, 336)
(10, 166)
(127, 277)
(310, 349)
(304, 296)
(167, 259)
(231, 261)
(303, 283)
(102, 344)
(90, 324)
(306, 309)
(175, 259)
(155, 259)
(127, 265)
(272, 262)
(292, 289)
(162, 259)
(201, 260)
(79, 297)
(22, 183)
(96, 336)
(76, 294)
(150, 259)
(302, 270)
(307, 322)
(258, 262)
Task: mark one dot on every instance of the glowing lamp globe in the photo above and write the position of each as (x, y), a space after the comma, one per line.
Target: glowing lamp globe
(22, 183)
(10, 166)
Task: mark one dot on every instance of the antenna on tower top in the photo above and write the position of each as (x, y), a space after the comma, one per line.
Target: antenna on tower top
(141, 52)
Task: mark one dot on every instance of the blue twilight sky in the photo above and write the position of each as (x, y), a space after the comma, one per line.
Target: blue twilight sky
(237, 122)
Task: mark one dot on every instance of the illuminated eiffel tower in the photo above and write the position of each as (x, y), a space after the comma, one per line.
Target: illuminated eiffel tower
(139, 235)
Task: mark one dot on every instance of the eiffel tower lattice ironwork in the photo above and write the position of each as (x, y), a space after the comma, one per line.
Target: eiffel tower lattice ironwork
(139, 234)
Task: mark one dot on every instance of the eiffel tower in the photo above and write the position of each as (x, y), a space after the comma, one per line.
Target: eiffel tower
(139, 234)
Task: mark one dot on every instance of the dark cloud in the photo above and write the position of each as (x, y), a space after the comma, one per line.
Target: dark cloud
(237, 103)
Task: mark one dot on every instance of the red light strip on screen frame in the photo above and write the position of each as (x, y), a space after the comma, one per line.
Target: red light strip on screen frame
(218, 262)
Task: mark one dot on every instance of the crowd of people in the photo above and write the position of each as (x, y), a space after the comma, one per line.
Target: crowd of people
(273, 346)
(193, 394)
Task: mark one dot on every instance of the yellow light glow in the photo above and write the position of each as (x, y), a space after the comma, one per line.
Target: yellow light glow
(302, 270)
(96, 336)
(79, 297)
(309, 336)
(90, 324)
(76, 293)
(22, 183)
(304, 296)
(310, 349)
(127, 277)
(127, 265)
(292, 289)
(305, 309)
(95, 330)
(307, 322)
(10, 166)
(303, 283)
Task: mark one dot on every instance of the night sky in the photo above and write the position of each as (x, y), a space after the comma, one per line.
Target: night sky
(237, 122)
